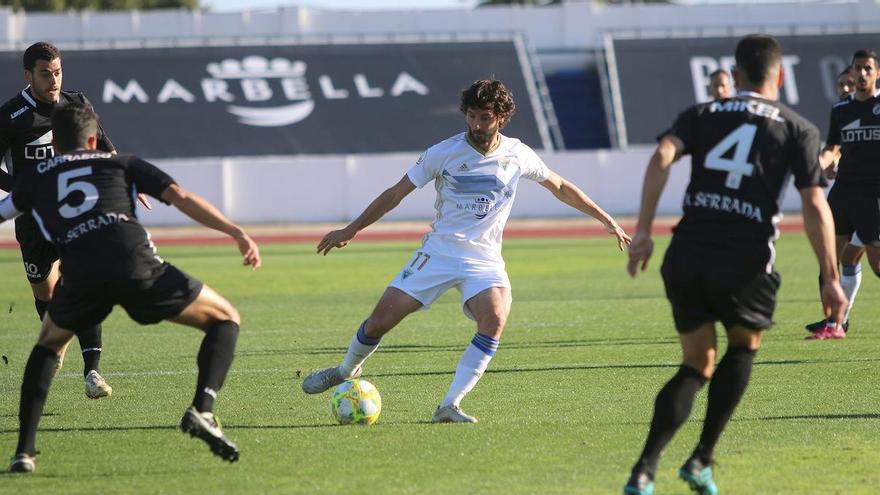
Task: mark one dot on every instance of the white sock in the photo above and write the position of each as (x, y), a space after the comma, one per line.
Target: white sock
(359, 350)
(470, 369)
(850, 280)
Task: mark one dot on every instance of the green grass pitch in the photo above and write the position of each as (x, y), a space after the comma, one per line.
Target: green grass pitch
(563, 409)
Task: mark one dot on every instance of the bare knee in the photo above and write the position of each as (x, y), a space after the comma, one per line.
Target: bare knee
(492, 324)
(703, 362)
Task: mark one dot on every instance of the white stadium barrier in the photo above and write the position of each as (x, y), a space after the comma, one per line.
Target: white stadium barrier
(337, 188)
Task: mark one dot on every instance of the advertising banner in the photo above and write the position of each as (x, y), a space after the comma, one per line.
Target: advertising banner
(214, 101)
(652, 80)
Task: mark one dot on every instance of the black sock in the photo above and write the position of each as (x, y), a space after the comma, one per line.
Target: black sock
(671, 409)
(90, 344)
(34, 391)
(726, 389)
(215, 358)
(41, 306)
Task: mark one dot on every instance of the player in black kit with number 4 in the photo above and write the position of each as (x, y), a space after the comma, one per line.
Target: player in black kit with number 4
(719, 265)
(25, 139)
(83, 201)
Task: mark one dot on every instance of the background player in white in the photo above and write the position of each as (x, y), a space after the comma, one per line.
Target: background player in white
(476, 175)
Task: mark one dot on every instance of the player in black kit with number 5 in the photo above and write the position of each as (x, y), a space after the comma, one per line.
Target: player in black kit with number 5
(83, 201)
(25, 139)
(719, 265)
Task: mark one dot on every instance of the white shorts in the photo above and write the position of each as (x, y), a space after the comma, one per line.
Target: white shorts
(426, 277)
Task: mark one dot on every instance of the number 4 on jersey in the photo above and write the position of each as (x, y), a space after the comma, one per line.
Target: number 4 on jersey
(740, 141)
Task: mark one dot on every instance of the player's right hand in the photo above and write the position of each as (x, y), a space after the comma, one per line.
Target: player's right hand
(834, 301)
(640, 250)
(335, 239)
(250, 251)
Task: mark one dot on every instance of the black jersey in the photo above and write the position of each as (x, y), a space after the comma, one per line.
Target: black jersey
(743, 151)
(855, 127)
(84, 203)
(26, 132)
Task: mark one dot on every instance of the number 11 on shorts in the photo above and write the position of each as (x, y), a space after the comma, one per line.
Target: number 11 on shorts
(424, 257)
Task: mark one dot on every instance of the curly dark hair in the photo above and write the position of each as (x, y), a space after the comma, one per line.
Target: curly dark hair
(489, 94)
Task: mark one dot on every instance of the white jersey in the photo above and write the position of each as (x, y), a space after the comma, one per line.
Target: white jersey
(475, 193)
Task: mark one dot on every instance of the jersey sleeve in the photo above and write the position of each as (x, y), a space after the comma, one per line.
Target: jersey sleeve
(683, 128)
(104, 143)
(148, 178)
(533, 167)
(833, 138)
(19, 200)
(427, 168)
(805, 167)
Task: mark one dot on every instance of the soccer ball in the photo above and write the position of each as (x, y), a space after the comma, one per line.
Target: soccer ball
(356, 402)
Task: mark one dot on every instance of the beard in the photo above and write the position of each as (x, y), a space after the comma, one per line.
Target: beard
(481, 138)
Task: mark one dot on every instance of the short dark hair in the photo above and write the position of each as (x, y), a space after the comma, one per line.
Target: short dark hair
(719, 72)
(756, 55)
(42, 50)
(845, 72)
(865, 53)
(489, 94)
(72, 125)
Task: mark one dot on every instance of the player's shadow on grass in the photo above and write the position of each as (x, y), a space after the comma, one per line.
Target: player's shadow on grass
(630, 366)
(171, 428)
(415, 348)
(843, 416)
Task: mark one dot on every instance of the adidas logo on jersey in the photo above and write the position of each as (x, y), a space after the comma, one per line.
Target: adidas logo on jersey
(463, 167)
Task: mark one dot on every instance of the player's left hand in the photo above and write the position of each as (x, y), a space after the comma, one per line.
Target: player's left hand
(335, 239)
(640, 251)
(145, 201)
(249, 251)
(623, 240)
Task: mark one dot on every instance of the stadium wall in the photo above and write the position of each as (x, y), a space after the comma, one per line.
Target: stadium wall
(337, 188)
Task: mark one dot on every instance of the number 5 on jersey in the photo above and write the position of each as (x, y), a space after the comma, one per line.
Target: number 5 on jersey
(740, 141)
(65, 188)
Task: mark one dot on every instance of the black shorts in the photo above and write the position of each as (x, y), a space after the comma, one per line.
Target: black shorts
(856, 209)
(77, 307)
(706, 285)
(37, 253)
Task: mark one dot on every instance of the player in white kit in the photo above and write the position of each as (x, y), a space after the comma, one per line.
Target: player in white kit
(476, 174)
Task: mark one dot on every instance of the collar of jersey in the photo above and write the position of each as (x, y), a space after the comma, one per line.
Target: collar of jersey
(33, 102)
(751, 93)
(852, 97)
(467, 137)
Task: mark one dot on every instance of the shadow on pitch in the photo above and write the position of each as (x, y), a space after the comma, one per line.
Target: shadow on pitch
(559, 344)
(845, 416)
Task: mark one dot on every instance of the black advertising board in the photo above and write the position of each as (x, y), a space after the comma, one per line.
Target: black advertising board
(180, 102)
(652, 80)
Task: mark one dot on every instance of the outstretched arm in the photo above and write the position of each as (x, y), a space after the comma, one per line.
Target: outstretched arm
(820, 231)
(667, 152)
(572, 195)
(386, 202)
(200, 210)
